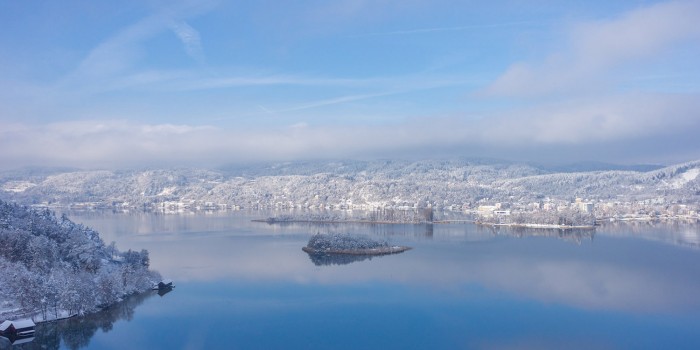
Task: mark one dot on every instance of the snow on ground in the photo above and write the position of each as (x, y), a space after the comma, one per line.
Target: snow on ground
(13, 313)
(17, 186)
(50, 316)
(167, 191)
(684, 178)
(6, 308)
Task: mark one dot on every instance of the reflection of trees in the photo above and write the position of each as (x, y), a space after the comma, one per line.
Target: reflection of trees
(677, 233)
(402, 230)
(76, 332)
(378, 215)
(337, 259)
(573, 235)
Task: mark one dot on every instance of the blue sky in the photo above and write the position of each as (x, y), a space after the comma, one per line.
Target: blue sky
(204, 83)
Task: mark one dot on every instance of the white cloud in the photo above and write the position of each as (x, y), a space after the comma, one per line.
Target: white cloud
(598, 46)
(638, 33)
(120, 143)
(608, 129)
(118, 54)
(190, 39)
(99, 143)
(602, 119)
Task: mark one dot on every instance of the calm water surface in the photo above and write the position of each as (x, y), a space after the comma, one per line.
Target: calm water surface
(246, 285)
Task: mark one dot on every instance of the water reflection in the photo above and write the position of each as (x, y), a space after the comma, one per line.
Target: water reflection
(164, 291)
(14, 342)
(643, 270)
(676, 233)
(577, 236)
(321, 259)
(75, 333)
(539, 264)
(478, 286)
(414, 230)
(462, 231)
(336, 259)
(115, 226)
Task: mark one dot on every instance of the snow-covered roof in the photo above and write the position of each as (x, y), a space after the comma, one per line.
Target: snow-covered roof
(5, 325)
(168, 281)
(26, 323)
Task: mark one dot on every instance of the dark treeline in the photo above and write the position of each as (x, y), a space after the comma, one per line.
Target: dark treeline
(566, 217)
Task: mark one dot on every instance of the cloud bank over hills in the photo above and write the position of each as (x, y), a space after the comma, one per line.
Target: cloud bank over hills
(201, 83)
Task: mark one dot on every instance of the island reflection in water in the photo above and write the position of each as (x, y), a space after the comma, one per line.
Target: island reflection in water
(461, 284)
(329, 259)
(337, 259)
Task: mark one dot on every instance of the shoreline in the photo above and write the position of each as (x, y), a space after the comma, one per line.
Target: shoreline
(35, 316)
(475, 222)
(540, 226)
(439, 222)
(371, 251)
(308, 221)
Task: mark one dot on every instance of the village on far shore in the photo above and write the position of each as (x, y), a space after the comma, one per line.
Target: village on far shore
(549, 213)
(493, 191)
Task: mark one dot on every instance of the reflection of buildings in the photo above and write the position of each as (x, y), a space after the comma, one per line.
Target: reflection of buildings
(572, 235)
(5, 343)
(164, 291)
(676, 233)
(17, 332)
(13, 341)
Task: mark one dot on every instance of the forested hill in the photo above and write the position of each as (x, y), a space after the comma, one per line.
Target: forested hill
(53, 267)
(381, 183)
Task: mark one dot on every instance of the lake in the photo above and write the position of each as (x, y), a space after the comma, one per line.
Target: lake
(248, 285)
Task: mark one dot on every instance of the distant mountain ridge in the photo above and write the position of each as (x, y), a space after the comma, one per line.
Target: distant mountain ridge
(439, 183)
(600, 166)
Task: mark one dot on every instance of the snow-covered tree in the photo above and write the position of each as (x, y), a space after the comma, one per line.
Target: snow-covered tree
(51, 264)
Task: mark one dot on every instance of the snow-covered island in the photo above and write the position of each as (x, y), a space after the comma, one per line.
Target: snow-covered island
(341, 243)
(53, 268)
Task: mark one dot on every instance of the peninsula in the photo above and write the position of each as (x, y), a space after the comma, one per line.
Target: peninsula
(54, 268)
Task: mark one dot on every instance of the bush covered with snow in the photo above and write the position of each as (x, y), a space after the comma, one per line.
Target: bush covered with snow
(340, 241)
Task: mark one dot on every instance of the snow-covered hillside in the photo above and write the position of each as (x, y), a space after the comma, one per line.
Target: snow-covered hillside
(52, 267)
(366, 184)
